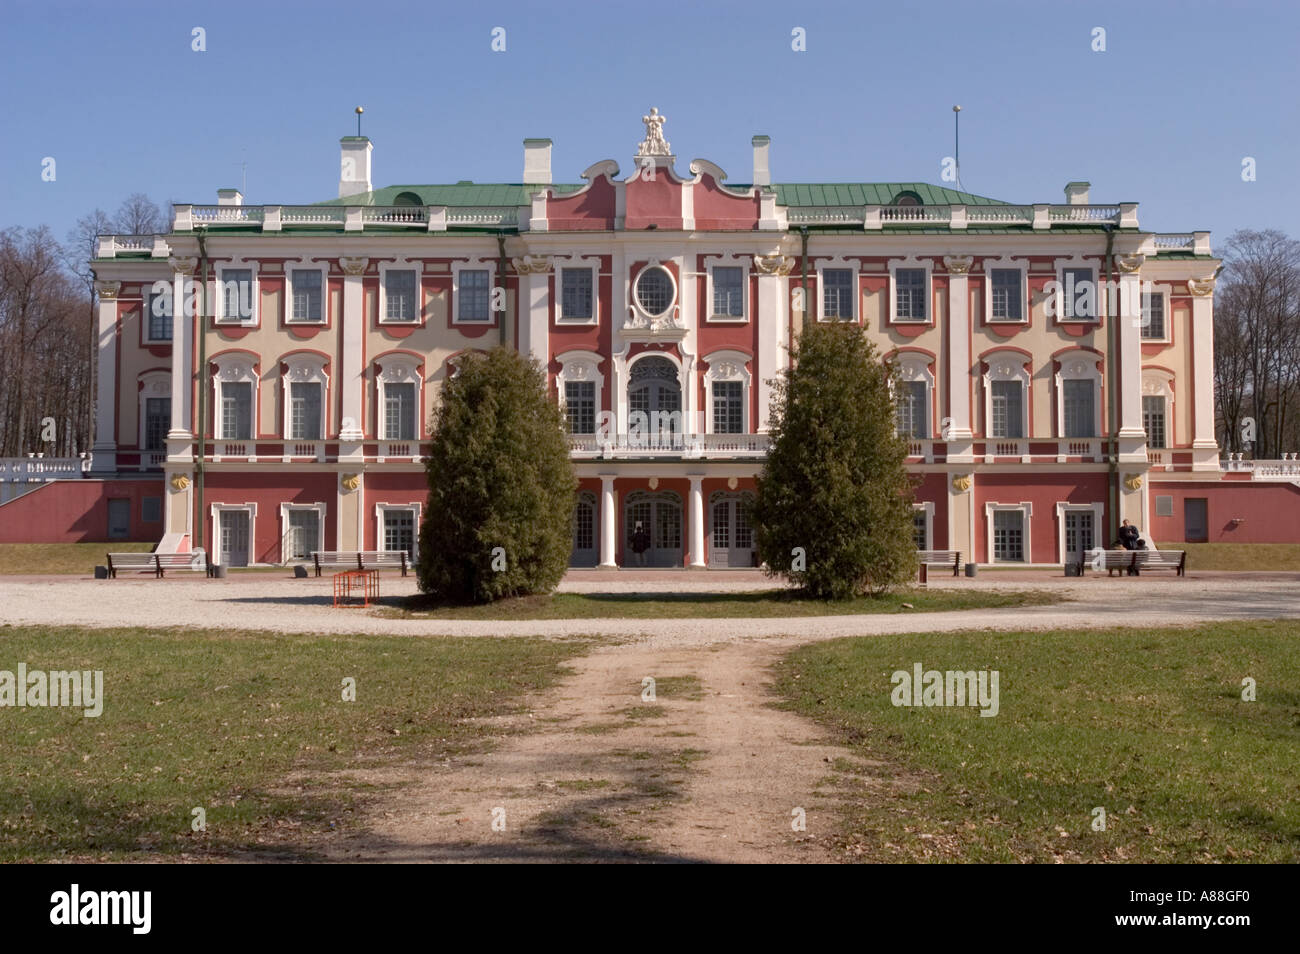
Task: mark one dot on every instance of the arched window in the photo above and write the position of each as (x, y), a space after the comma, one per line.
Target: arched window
(914, 396)
(906, 199)
(726, 388)
(1006, 396)
(305, 388)
(407, 199)
(234, 407)
(1078, 396)
(654, 396)
(399, 393)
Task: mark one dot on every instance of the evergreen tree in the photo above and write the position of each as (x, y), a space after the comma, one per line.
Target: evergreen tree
(834, 507)
(501, 486)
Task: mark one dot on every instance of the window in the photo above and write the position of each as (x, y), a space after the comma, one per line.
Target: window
(909, 294)
(580, 406)
(1007, 405)
(1080, 398)
(584, 526)
(728, 292)
(119, 518)
(1153, 419)
(1164, 506)
(1008, 536)
(306, 295)
(728, 407)
(304, 411)
(918, 528)
(157, 422)
(473, 291)
(399, 411)
(159, 317)
(654, 291)
(1079, 295)
(575, 293)
(237, 294)
(150, 509)
(399, 531)
(837, 294)
(1008, 299)
(236, 410)
(302, 534)
(401, 301)
(1153, 315)
(911, 410)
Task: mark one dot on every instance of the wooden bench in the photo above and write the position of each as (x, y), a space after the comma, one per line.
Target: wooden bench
(359, 559)
(156, 563)
(1131, 562)
(941, 558)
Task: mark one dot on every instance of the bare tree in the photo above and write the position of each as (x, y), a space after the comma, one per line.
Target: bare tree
(79, 251)
(140, 215)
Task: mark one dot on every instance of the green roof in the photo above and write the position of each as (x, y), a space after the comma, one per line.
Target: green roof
(460, 194)
(871, 193)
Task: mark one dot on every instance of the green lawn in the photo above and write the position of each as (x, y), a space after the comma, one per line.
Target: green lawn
(1146, 724)
(1239, 556)
(760, 603)
(249, 726)
(79, 558)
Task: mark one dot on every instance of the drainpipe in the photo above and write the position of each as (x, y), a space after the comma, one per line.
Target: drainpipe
(501, 281)
(803, 268)
(1112, 409)
(201, 325)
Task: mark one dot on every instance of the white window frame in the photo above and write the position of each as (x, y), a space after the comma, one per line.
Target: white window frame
(728, 366)
(146, 311)
(928, 507)
(219, 295)
(305, 266)
(319, 509)
(153, 384)
(305, 369)
(397, 369)
(1078, 366)
(1007, 263)
(401, 265)
(576, 265)
(234, 369)
(674, 303)
(1157, 383)
(1101, 307)
(912, 263)
(839, 263)
(1006, 366)
(1027, 509)
(581, 366)
(1163, 291)
(477, 265)
(916, 367)
(382, 508)
(215, 510)
(727, 261)
(1098, 529)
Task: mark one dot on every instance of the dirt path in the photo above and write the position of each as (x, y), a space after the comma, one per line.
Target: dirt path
(708, 772)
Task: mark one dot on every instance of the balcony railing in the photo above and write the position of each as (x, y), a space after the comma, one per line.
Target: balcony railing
(668, 445)
(1288, 468)
(958, 217)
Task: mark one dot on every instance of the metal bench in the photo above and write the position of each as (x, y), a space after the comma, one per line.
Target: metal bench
(156, 563)
(941, 558)
(1132, 562)
(1161, 560)
(359, 559)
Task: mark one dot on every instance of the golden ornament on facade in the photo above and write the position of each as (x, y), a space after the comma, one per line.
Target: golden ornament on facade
(180, 482)
(961, 483)
(1200, 287)
(1133, 481)
(108, 290)
(957, 264)
(353, 266)
(1129, 263)
(351, 482)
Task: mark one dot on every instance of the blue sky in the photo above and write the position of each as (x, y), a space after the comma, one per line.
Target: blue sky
(1164, 117)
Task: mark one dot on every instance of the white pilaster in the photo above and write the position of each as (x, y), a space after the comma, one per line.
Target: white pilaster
(352, 375)
(105, 446)
(1204, 445)
(959, 361)
(608, 520)
(697, 521)
(184, 328)
(773, 326)
(1132, 435)
(535, 272)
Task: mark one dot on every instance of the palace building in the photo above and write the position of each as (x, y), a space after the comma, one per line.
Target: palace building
(662, 304)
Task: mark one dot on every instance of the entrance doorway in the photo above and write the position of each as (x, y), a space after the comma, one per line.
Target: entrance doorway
(234, 537)
(731, 536)
(584, 531)
(1196, 520)
(1078, 536)
(660, 515)
(654, 402)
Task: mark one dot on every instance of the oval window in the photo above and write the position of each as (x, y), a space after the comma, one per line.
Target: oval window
(654, 291)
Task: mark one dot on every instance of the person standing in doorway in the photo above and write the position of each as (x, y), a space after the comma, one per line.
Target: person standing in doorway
(640, 543)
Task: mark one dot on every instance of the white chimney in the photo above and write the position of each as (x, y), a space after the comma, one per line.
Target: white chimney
(354, 169)
(1076, 193)
(762, 171)
(537, 162)
(230, 197)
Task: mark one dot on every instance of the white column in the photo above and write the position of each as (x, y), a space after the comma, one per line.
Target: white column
(697, 521)
(771, 326)
(1205, 446)
(105, 446)
(534, 322)
(184, 327)
(352, 377)
(959, 376)
(608, 520)
(1129, 316)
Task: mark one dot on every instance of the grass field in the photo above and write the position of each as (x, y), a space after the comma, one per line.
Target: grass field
(760, 603)
(1149, 725)
(1239, 556)
(82, 558)
(249, 726)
